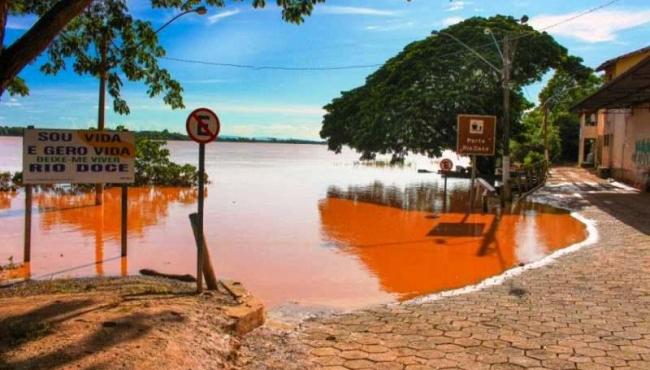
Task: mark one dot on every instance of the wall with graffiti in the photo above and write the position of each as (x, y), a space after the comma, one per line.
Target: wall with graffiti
(641, 155)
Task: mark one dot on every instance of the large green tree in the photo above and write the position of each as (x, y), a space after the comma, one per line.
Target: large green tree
(565, 89)
(55, 15)
(410, 104)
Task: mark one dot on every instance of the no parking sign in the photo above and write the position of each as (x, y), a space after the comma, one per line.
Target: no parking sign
(203, 125)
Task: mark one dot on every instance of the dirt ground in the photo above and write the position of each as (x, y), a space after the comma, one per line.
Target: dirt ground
(131, 323)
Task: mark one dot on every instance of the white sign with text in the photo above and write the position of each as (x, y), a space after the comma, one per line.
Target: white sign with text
(78, 156)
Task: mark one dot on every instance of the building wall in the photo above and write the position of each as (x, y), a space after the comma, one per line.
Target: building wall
(629, 62)
(639, 148)
(590, 132)
(617, 128)
(622, 135)
(622, 144)
(628, 152)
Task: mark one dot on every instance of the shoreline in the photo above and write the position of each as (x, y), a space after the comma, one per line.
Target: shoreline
(586, 308)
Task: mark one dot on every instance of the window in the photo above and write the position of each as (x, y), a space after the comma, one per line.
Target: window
(591, 120)
(607, 139)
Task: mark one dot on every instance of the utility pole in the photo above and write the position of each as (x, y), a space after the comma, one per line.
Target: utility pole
(101, 111)
(505, 162)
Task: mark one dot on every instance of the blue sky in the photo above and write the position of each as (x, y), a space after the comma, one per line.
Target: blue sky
(273, 103)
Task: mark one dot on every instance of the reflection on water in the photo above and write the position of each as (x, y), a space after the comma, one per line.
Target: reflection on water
(412, 249)
(291, 222)
(424, 196)
(76, 213)
(5, 199)
(146, 207)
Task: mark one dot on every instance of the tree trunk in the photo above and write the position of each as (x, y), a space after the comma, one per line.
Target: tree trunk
(14, 58)
(101, 109)
(4, 13)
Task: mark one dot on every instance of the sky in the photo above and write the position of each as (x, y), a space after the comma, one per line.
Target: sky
(288, 104)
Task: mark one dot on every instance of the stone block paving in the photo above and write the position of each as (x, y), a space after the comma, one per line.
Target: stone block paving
(590, 310)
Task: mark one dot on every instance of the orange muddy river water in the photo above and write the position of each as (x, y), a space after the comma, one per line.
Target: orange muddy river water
(294, 223)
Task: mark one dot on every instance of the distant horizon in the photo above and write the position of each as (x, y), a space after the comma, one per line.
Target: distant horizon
(221, 136)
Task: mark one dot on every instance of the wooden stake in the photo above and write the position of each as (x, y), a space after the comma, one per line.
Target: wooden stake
(208, 270)
(27, 248)
(124, 221)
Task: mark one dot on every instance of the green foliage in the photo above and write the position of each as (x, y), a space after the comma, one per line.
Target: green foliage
(5, 181)
(563, 91)
(567, 87)
(131, 45)
(293, 11)
(18, 87)
(528, 148)
(153, 166)
(411, 102)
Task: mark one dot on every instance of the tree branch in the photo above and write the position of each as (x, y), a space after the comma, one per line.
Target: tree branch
(33, 42)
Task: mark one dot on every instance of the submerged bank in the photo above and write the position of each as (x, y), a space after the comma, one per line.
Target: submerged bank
(320, 230)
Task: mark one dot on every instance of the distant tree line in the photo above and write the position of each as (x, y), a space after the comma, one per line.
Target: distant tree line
(167, 135)
(11, 131)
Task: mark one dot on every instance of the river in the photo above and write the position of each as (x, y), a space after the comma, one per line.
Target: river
(294, 223)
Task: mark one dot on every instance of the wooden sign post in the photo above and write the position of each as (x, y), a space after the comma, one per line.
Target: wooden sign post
(57, 156)
(475, 136)
(202, 126)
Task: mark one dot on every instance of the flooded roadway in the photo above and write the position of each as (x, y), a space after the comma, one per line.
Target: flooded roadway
(295, 223)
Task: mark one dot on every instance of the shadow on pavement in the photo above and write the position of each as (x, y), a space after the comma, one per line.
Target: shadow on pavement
(633, 209)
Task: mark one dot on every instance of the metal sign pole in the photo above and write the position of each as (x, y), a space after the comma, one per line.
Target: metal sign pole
(199, 266)
(472, 187)
(444, 196)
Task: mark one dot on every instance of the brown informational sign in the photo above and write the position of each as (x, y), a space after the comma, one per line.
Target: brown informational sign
(476, 135)
(52, 156)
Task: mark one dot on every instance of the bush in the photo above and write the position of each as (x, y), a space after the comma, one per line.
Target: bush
(153, 166)
(8, 182)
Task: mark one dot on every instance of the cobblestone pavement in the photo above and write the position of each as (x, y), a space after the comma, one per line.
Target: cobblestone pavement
(588, 310)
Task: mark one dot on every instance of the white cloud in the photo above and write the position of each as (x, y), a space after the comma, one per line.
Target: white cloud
(13, 102)
(282, 109)
(220, 16)
(352, 10)
(20, 22)
(205, 81)
(457, 5)
(390, 26)
(594, 27)
(451, 20)
(297, 110)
